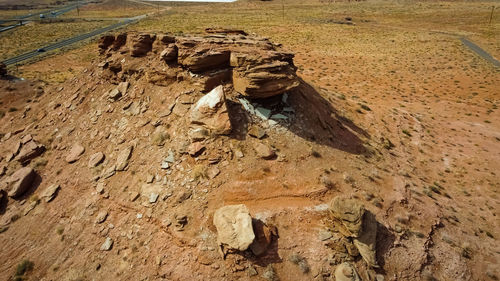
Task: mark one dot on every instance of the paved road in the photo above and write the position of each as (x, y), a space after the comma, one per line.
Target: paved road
(47, 14)
(17, 18)
(478, 50)
(69, 41)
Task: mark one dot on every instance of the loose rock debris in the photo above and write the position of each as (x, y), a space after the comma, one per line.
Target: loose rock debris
(180, 139)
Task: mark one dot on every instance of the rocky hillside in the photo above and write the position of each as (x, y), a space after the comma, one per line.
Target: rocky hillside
(207, 158)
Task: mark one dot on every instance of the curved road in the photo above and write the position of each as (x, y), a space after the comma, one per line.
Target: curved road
(478, 50)
(70, 41)
(49, 14)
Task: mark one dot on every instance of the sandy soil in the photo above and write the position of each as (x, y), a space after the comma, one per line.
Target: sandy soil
(416, 138)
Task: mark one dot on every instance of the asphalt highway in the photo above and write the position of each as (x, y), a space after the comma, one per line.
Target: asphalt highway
(47, 14)
(69, 41)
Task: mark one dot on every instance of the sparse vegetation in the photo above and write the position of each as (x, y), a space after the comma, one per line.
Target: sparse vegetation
(22, 268)
(199, 172)
(406, 132)
(59, 230)
(300, 261)
(159, 138)
(315, 154)
(421, 84)
(40, 163)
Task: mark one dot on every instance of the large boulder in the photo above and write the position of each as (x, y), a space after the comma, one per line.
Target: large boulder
(366, 241)
(141, 45)
(352, 220)
(169, 54)
(199, 56)
(120, 40)
(211, 112)
(104, 42)
(19, 182)
(347, 216)
(257, 67)
(258, 75)
(234, 227)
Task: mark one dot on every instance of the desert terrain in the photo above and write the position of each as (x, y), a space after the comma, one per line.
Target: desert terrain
(352, 140)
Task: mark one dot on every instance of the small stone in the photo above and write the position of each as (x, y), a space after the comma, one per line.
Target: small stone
(19, 182)
(96, 159)
(325, 234)
(29, 151)
(134, 196)
(234, 227)
(100, 188)
(26, 139)
(149, 178)
(122, 87)
(30, 207)
(198, 134)
(252, 271)
(213, 172)
(165, 165)
(16, 147)
(50, 192)
(247, 106)
(263, 113)
(195, 149)
(238, 153)
(184, 196)
(264, 151)
(257, 132)
(180, 222)
(123, 157)
(107, 245)
(7, 136)
(153, 198)
(114, 94)
(109, 172)
(9, 157)
(74, 154)
(272, 123)
(171, 157)
(279, 117)
(101, 217)
(346, 272)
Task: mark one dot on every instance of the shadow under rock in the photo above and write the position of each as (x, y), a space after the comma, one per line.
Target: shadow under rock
(315, 119)
(34, 186)
(385, 241)
(3, 202)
